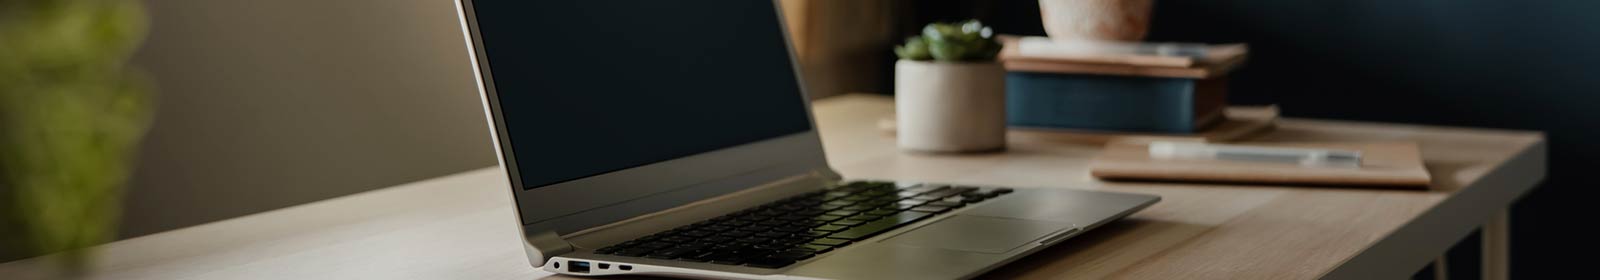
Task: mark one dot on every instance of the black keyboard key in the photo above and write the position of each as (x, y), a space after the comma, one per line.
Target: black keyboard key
(793, 240)
(875, 193)
(790, 229)
(815, 234)
(673, 253)
(900, 207)
(876, 204)
(859, 207)
(726, 258)
(837, 194)
(763, 249)
(736, 233)
(828, 218)
(729, 247)
(817, 248)
(972, 200)
(856, 198)
(930, 209)
(912, 201)
(718, 239)
(840, 203)
(1001, 191)
(850, 223)
(697, 233)
(830, 228)
(948, 192)
(754, 240)
(752, 252)
(830, 242)
(923, 188)
(791, 218)
(811, 212)
(874, 228)
(809, 223)
(843, 213)
(655, 245)
(765, 262)
(772, 223)
(756, 228)
(772, 234)
(944, 204)
(676, 239)
(864, 218)
(793, 255)
(882, 212)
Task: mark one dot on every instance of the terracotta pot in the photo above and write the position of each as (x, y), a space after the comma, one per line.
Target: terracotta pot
(1103, 20)
(950, 107)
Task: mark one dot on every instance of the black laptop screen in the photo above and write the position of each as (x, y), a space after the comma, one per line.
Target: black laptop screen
(587, 87)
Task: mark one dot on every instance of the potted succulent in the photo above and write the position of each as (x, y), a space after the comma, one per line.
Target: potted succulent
(71, 114)
(950, 91)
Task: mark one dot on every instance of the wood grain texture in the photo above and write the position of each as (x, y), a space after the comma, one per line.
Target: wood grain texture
(462, 227)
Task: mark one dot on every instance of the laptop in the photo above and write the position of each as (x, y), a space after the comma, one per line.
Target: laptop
(674, 138)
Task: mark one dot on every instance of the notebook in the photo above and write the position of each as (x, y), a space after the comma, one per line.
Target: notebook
(1384, 165)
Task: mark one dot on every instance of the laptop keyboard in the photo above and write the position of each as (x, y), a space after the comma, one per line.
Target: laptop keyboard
(781, 233)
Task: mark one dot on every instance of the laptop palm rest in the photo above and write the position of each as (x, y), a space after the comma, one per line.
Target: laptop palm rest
(978, 234)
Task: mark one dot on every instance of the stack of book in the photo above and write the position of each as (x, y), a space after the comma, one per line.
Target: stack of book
(1119, 87)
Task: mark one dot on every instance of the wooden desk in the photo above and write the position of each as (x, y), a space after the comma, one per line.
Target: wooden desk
(461, 226)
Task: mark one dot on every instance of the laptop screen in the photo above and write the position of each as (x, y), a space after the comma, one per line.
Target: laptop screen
(588, 87)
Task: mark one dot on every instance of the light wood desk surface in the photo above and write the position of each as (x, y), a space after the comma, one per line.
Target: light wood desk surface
(461, 226)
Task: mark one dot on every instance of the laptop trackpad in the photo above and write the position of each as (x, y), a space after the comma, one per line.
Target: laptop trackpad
(978, 234)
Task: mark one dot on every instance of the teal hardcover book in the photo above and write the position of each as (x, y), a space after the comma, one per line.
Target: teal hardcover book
(1113, 103)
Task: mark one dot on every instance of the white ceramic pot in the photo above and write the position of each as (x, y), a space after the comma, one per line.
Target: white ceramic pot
(950, 107)
(1101, 20)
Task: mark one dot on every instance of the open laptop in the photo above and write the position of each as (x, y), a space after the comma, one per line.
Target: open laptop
(674, 138)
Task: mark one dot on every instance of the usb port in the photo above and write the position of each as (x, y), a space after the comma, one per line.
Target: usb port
(577, 267)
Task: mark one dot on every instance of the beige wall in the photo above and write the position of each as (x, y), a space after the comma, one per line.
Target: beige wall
(269, 104)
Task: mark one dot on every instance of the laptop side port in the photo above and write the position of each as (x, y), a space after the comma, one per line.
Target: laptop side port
(577, 267)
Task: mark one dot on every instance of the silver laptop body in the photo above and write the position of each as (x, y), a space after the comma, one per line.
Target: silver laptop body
(567, 223)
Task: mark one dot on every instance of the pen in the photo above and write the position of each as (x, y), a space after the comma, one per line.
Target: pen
(1301, 156)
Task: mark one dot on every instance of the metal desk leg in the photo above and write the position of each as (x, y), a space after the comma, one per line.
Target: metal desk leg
(1497, 247)
(1441, 269)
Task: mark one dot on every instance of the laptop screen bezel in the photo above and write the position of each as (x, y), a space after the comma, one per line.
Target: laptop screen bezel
(578, 204)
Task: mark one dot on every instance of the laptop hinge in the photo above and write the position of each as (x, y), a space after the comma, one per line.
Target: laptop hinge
(542, 245)
(827, 173)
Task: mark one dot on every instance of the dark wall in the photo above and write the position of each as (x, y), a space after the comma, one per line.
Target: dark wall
(1530, 65)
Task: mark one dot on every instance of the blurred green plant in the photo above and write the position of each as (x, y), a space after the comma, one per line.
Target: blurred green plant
(71, 115)
(951, 42)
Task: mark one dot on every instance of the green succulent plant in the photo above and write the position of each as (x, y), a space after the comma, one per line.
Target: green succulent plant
(951, 42)
(71, 114)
